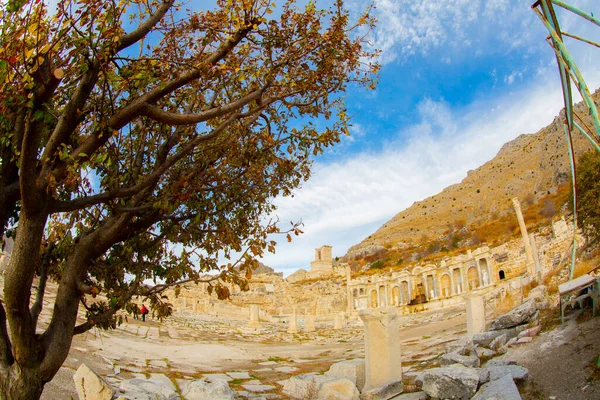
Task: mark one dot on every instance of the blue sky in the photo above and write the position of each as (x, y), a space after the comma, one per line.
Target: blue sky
(460, 78)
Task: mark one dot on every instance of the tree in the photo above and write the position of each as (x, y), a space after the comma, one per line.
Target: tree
(588, 194)
(140, 141)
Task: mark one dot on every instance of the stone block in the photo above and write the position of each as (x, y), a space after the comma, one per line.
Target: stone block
(383, 364)
(485, 338)
(338, 389)
(457, 358)
(349, 369)
(384, 392)
(524, 339)
(90, 386)
(411, 396)
(450, 382)
(141, 389)
(498, 342)
(482, 352)
(499, 361)
(517, 372)
(201, 389)
(475, 315)
(515, 317)
(531, 332)
(305, 386)
(500, 389)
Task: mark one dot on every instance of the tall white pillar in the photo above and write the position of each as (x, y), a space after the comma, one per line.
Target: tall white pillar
(254, 316)
(383, 363)
(475, 315)
(293, 324)
(526, 242)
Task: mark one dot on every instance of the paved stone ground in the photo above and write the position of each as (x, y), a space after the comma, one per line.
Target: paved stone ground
(255, 362)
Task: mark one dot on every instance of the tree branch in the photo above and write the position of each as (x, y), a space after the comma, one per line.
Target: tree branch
(165, 117)
(105, 316)
(72, 205)
(6, 356)
(141, 31)
(36, 308)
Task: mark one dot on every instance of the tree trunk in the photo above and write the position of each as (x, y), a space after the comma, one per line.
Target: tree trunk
(18, 383)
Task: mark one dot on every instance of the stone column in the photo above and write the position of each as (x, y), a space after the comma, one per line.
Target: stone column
(452, 288)
(475, 315)
(254, 316)
(536, 257)
(293, 325)
(383, 363)
(349, 306)
(426, 286)
(309, 323)
(338, 321)
(526, 242)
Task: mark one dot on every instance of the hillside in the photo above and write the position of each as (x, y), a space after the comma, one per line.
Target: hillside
(533, 167)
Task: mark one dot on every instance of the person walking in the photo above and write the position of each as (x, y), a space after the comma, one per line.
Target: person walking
(144, 311)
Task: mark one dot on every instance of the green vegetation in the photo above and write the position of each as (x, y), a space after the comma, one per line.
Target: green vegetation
(588, 194)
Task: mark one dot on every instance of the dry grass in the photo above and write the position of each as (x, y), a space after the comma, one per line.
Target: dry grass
(505, 304)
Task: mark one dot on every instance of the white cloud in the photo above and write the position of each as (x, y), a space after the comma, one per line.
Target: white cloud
(346, 201)
(408, 27)
(510, 79)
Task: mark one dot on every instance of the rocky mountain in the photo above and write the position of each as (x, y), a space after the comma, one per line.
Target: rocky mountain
(530, 167)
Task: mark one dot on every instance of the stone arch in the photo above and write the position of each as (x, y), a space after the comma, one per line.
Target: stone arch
(446, 285)
(396, 295)
(382, 296)
(431, 291)
(458, 283)
(374, 303)
(419, 290)
(501, 274)
(485, 272)
(473, 278)
(405, 294)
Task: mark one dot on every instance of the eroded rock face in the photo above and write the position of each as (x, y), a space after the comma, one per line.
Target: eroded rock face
(200, 389)
(450, 382)
(91, 386)
(349, 369)
(500, 389)
(515, 317)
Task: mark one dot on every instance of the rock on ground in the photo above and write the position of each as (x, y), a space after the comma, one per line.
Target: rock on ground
(91, 386)
(500, 389)
(515, 317)
(350, 369)
(411, 396)
(450, 382)
(142, 389)
(456, 358)
(516, 372)
(338, 389)
(305, 386)
(200, 389)
(384, 392)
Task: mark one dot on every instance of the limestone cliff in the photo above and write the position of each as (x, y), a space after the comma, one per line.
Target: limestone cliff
(529, 167)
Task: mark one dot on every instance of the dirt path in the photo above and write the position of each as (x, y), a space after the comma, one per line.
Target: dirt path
(562, 361)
